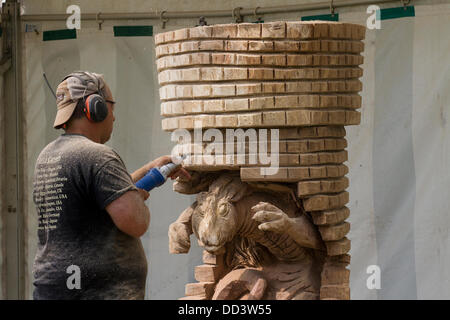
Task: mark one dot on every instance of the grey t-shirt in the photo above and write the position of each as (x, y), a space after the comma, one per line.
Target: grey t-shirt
(81, 254)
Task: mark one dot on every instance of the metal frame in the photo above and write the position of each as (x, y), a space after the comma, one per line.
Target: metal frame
(160, 15)
(13, 208)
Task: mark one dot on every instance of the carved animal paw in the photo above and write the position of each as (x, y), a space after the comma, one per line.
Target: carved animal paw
(179, 238)
(271, 218)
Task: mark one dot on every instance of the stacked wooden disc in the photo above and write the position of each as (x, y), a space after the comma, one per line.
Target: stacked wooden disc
(301, 78)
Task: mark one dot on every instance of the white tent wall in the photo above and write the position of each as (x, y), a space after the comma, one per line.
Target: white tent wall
(398, 156)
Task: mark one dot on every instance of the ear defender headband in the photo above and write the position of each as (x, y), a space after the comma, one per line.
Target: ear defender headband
(94, 105)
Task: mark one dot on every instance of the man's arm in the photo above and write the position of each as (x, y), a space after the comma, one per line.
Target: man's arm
(141, 172)
(130, 214)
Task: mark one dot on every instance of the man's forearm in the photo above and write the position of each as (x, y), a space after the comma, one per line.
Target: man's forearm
(140, 173)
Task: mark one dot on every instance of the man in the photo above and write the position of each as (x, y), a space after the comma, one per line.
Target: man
(90, 212)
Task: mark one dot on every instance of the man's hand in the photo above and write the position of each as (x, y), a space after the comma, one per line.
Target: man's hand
(159, 162)
(144, 194)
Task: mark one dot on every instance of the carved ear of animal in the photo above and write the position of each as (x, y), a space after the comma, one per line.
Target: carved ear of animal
(198, 183)
(230, 187)
(201, 197)
(240, 193)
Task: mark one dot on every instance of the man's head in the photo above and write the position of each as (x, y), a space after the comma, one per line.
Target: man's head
(85, 103)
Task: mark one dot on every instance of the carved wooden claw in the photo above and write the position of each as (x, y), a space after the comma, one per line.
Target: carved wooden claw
(271, 218)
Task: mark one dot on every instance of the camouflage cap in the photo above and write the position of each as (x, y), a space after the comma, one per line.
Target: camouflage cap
(76, 86)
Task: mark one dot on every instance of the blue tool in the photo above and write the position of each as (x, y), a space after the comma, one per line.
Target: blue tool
(156, 177)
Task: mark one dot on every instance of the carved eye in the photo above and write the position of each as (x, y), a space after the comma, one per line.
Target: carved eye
(223, 209)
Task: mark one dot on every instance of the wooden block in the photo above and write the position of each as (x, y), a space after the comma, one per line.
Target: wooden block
(223, 90)
(260, 74)
(189, 46)
(201, 90)
(236, 45)
(338, 247)
(224, 31)
(321, 30)
(236, 105)
(335, 275)
(314, 145)
(251, 174)
(212, 74)
(235, 73)
(339, 260)
(286, 46)
(248, 89)
(353, 117)
(338, 292)
(226, 121)
(173, 48)
(217, 105)
(192, 74)
(208, 273)
(334, 232)
(169, 124)
(273, 59)
(209, 258)
(298, 117)
(299, 60)
(254, 174)
(200, 32)
(274, 118)
(190, 106)
(200, 289)
(248, 59)
(159, 38)
(250, 119)
(273, 87)
(326, 202)
(273, 30)
(328, 217)
(299, 87)
(286, 102)
(299, 30)
(264, 46)
(261, 103)
(306, 188)
(181, 34)
(206, 121)
(211, 45)
(168, 36)
(312, 132)
(186, 122)
(200, 58)
(249, 30)
(223, 58)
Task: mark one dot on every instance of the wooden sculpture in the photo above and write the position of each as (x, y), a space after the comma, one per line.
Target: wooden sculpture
(279, 235)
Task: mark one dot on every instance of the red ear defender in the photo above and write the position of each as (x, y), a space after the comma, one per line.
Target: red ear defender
(95, 108)
(86, 109)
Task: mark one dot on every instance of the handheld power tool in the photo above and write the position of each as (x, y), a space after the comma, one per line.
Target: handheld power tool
(156, 177)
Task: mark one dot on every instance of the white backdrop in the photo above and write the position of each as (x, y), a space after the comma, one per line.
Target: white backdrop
(398, 156)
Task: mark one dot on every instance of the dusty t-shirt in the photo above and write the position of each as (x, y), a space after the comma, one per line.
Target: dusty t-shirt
(81, 254)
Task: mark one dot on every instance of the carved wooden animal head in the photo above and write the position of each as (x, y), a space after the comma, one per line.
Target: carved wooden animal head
(215, 219)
